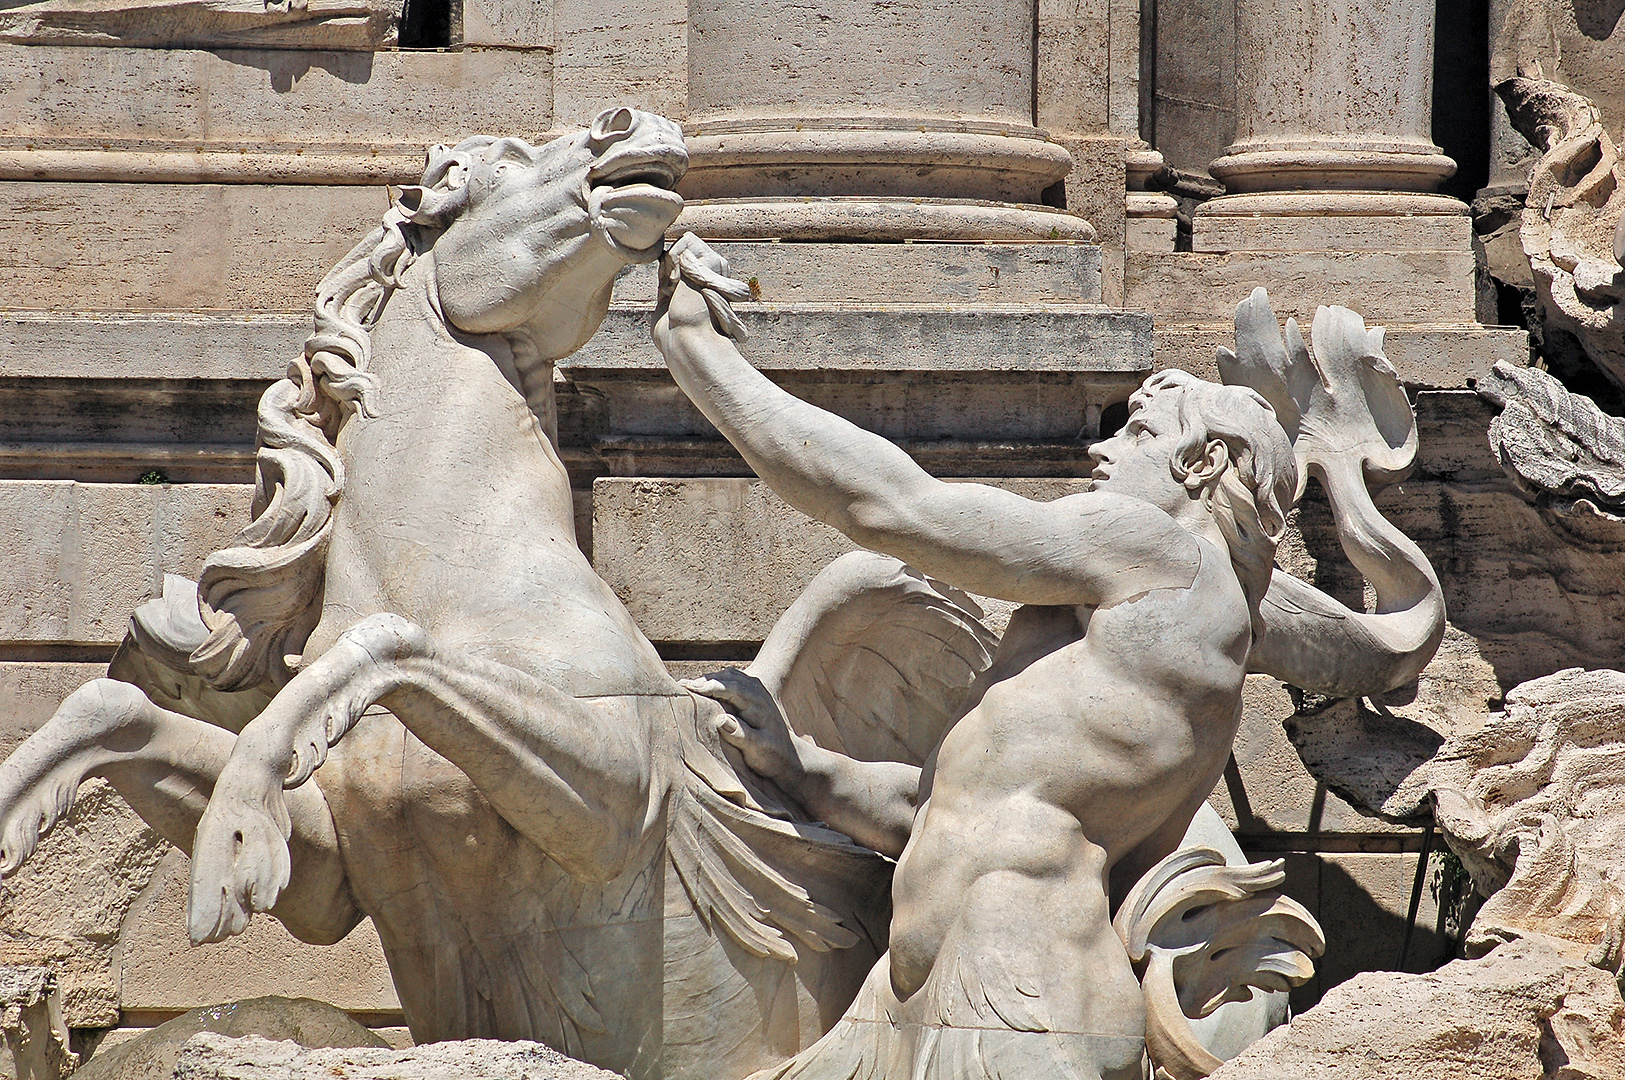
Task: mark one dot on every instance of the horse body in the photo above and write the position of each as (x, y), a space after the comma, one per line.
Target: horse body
(544, 827)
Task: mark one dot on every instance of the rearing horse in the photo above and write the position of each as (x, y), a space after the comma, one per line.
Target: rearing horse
(543, 826)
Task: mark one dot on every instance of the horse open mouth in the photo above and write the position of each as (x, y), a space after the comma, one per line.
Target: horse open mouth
(631, 202)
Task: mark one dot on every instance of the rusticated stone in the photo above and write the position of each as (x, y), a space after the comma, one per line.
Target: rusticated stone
(1529, 1009)
(217, 1057)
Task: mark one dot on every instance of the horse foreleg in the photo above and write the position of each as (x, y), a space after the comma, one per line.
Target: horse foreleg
(572, 784)
(164, 764)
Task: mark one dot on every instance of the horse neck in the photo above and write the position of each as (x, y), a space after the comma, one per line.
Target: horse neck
(439, 392)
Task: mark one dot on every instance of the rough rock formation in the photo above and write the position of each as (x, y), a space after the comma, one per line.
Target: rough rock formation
(1572, 217)
(1558, 447)
(1533, 803)
(36, 1040)
(300, 1020)
(1529, 1009)
(217, 1057)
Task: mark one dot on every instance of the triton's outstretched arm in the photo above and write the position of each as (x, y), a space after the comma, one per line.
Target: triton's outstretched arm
(1094, 548)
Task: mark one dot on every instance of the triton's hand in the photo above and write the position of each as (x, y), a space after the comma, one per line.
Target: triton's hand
(695, 290)
(753, 723)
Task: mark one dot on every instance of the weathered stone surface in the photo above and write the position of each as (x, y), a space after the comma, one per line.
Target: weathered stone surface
(160, 970)
(89, 554)
(218, 1057)
(301, 1021)
(1527, 1010)
(1384, 286)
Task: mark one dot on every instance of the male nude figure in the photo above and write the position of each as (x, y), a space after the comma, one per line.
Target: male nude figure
(1104, 722)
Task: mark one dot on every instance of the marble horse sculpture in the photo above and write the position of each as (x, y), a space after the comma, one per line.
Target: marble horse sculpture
(543, 826)
(1088, 746)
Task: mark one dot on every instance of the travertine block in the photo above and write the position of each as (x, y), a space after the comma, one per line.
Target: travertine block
(1383, 286)
(176, 247)
(1425, 356)
(718, 560)
(1332, 232)
(837, 337)
(192, 97)
(859, 274)
(89, 554)
(825, 337)
(161, 971)
(155, 345)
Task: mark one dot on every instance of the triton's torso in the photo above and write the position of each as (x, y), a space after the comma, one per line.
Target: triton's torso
(1090, 733)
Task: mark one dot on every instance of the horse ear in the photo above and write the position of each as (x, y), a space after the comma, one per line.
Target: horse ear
(612, 124)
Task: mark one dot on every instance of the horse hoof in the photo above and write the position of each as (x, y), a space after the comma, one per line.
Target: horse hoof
(240, 865)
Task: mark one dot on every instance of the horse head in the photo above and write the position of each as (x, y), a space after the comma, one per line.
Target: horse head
(531, 238)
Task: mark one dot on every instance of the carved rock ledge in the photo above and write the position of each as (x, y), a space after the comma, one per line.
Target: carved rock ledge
(174, 24)
(217, 1057)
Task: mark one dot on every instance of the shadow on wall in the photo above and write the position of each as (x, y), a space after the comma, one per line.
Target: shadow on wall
(1363, 933)
(1598, 19)
(288, 66)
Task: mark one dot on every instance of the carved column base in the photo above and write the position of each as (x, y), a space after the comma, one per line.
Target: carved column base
(877, 219)
(1334, 164)
(1151, 219)
(904, 156)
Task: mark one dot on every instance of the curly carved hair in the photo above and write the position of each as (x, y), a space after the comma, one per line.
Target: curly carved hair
(1253, 492)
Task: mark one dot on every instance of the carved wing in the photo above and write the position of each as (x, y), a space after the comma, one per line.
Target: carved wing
(1350, 424)
(874, 659)
(771, 884)
(1201, 932)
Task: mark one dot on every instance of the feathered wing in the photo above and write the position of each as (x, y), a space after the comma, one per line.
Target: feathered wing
(1350, 424)
(777, 887)
(874, 659)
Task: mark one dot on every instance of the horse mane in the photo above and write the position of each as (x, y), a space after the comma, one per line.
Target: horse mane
(261, 597)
